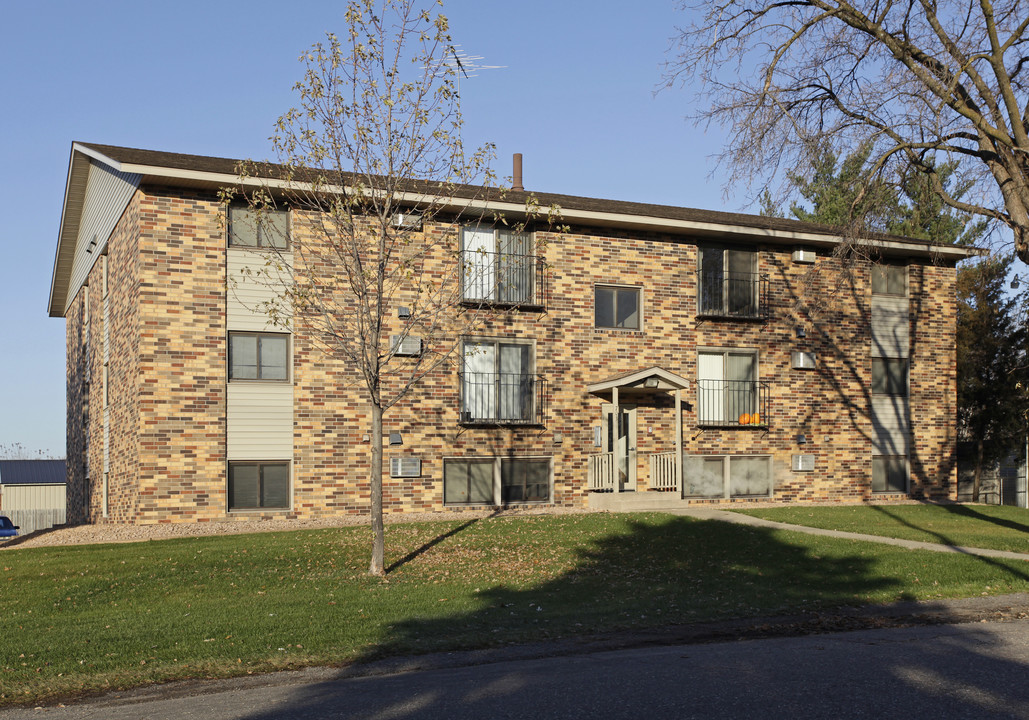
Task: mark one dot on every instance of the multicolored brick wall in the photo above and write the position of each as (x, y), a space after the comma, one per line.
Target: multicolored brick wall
(177, 465)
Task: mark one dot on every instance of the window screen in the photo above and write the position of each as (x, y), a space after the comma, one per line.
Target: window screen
(258, 485)
(468, 482)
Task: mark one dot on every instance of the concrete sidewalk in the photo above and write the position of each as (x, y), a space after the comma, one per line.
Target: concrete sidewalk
(740, 519)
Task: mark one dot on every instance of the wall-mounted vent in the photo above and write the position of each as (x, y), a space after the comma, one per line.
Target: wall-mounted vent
(408, 346)
(407, 221)
(405, 467)
(802, 255)
(803, 360)
(803, 463)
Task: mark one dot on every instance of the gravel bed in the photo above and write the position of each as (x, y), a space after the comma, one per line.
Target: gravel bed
(121, 533)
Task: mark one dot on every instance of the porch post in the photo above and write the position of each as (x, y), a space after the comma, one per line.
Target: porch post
(616, 424)
(678, 440)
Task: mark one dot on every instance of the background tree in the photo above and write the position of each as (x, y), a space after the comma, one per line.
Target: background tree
(17, 451)
(925, 85)
(377, 132)
(991, 361)
(991, 364)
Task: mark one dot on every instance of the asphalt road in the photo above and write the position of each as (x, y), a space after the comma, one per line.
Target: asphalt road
(977, 670)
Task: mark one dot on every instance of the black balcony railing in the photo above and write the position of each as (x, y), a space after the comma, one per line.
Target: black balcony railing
(732, 403)
(497, 278)
(502, 399)
(733, 295)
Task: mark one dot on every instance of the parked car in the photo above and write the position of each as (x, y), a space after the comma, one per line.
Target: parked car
(7, 528)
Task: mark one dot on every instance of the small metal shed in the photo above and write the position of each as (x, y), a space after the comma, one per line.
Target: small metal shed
(33, 493)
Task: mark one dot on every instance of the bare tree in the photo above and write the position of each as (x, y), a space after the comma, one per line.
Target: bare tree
(17, 451)
(373, 169)
(923, 83)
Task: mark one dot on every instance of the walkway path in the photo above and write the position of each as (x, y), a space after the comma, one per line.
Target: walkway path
(740, 519)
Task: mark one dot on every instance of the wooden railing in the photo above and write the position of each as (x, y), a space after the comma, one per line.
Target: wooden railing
(662, 471)
(601, 472)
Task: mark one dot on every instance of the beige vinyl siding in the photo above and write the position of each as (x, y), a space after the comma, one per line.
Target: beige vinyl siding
(891, 425)
(33, 497)
(890, 414)
(890, 327)
(250, 284)
(259, 421)
(107, 194)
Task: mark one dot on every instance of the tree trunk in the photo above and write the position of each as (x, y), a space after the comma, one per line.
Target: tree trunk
(978, 471)
(378, 533)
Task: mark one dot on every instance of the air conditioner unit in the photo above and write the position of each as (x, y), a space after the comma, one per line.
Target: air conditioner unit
(803, 360)
(803, 463)
(407, 221)
(804, 256)
(410, 346)
(405, 467)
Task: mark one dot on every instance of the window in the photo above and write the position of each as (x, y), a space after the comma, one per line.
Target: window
(524, 480)
(728, 476)
(889, 474)
(889, 280)
(497, 385)
(474, 481)
(468, 481)
(497, 266)
(258, 356)
(728, 390)
(257, 485)
(889, 376)
(729, 283)
(268, 228)
(617, 307)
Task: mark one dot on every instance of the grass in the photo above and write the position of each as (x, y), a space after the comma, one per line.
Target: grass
(983, 526)
(80, 620)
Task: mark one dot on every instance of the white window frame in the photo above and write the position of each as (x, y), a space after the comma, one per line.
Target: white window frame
(481, 266)
(475, 395)
(725, 415)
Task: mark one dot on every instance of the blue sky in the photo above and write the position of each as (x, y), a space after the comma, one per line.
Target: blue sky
(576, 98)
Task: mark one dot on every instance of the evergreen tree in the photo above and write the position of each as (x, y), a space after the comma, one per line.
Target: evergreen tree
(990, 364)
(991, 359)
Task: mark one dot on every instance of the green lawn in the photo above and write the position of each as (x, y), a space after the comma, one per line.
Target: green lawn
(93, 618)
(983, 526)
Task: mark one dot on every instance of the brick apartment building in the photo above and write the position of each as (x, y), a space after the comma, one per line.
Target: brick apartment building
(740, 356)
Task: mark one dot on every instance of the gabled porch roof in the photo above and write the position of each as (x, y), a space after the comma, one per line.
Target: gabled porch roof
(650, 381)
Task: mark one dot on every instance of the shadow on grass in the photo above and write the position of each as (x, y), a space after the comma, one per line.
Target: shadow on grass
(658, 572)
(971, 513)
(951, 543)
(431, 544)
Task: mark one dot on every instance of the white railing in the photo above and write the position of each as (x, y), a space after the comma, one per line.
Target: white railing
(602, 471)
(662, 471)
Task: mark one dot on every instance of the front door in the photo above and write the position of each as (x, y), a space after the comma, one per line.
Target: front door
(623, 436)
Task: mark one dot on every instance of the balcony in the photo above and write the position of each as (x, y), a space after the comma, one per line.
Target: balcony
(492, 399)
(503, 279)
(732, 403)
(732, 295)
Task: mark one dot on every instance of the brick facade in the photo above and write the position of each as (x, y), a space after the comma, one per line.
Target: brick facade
(169, 357)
